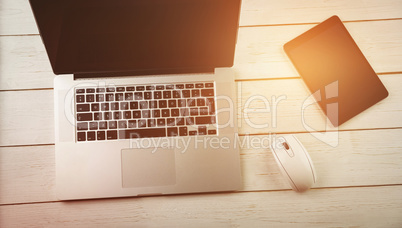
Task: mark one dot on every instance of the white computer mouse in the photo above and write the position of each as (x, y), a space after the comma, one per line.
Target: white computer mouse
(294, 162)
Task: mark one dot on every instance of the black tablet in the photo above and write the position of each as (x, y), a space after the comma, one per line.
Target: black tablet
(335, 70)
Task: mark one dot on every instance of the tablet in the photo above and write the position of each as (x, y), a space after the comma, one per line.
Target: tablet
(335, 70)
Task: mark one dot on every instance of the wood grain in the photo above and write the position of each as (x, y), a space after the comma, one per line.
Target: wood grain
(27, 173)
(259, 53)
(16, 16)
(349, 207)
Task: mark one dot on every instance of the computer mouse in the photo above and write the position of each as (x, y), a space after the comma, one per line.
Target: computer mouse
(294, 162)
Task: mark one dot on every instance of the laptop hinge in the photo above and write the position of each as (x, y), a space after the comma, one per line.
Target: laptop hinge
(143, 72)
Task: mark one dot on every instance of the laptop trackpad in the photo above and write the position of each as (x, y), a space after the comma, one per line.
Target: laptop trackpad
(142, 168)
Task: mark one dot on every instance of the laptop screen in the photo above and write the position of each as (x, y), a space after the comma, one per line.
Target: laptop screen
(98, 36)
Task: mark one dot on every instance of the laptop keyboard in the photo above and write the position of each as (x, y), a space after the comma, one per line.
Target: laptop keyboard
(145, 111)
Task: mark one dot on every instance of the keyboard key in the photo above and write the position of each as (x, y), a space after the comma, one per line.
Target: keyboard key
(181, 103)
(167, 94)
(161, 122)
(202, 130)
(90, 90)
(142, 133)
(130, 88)
(207, 92)
(176, 94)
(110, 89)
(119, 97)
(91, 136)
(170, 121)
(117, 115)
(190, 102)
(180, 121)
(186, 93)
(80, 99)
(162, 104)
(172, 131)
(114, 106)
(112, 124)
(203, 111)
(97, 116)
(90, 98)
(138, 96)
(199, 85)
(100, 135)
(205, 120)
(190, 121)
(82, 107)
(189, 86)
(143, 104)
(124, 106)
(195, 93)
(160, 87)
(100, 90)
(120, 89)
(104, 106)
(165, 113)
(134, 105)
(136, 114)
(151, 123)
(102, 125)
(84, 116)
(212, 132)
(180, 86)
(157, 95)
(123, 124)
(127, 115)
(209, 85)
(80, 91)
(175, 112)
(192, 132)
(109, 97)
(184, 112)
(156, 113)
(210, 102)
(140, 88)
(100, 97)
(107, 115)
(153, 104)
(183, 131)
(193, 111)
(81, 136)
(82, 126)
(146, 114)
(93, 125)
(169, 86)
(147, 95)
(150, 87)
(142, 123)
(132, 123)
(111, 135)
(200, 102)
(95, 107)
(128, 96)
(172, 103)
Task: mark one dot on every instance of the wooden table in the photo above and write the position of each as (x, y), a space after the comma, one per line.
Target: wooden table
(360, 179)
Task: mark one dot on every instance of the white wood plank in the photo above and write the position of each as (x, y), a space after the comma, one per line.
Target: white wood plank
(16, 17)
(257, 116)
(27, 173)
(259, 53)
(350, 207)
(262, 12)
(19, 127)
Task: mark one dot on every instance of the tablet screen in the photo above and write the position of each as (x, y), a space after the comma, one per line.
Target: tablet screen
(327, 56)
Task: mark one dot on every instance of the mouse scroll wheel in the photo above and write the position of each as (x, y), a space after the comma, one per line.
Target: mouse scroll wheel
(285, 145)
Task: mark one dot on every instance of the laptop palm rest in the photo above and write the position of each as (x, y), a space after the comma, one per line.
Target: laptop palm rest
(148, 168)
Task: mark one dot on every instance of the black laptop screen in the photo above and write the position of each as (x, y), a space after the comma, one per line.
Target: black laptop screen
(91, 36)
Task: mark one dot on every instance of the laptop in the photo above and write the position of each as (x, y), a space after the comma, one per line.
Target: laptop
(144, 95)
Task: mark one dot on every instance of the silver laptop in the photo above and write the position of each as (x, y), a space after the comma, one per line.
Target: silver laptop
(146, 105)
